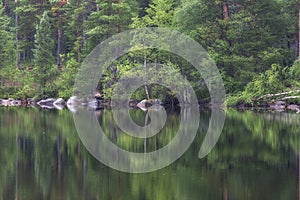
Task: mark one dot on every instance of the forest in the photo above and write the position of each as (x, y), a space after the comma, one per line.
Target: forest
(254, 43)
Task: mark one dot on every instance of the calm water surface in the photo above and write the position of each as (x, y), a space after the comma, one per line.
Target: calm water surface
(42, 157)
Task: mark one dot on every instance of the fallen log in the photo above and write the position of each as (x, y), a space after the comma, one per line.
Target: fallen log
(278, 94)
(290, 97)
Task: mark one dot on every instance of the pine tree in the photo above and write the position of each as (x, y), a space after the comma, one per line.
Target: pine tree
(243, 37)
(59, 20)
(43, 53)
(5, 39)
(76, 14)
(299, 32)
(27, 16)
(109, 18)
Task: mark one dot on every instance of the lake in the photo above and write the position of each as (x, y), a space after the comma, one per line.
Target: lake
(42, 157)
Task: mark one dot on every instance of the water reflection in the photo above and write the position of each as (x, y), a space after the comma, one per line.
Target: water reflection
(256, 157)
(105, 148)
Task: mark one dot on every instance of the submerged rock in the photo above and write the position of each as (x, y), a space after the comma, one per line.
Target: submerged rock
(59, 106)
(72, 101)
(7, 102)
(10, 102)
(72, 108)
(156, 101)
(293, 107)
(59, 101)
(16, 103)
(93, 104)
(144, 104)
(47, 106)
(278, 105)
(133, 102)
(31, 101)
(46, 102)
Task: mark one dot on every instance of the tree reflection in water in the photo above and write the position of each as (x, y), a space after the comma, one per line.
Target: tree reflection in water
(256, 157)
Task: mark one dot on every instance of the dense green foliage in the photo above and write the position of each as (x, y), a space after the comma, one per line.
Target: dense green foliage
(254, 43)
(274, 80)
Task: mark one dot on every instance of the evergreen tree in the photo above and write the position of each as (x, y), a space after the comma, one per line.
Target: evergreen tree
(28, 14)
(43, 53)
(243, 37)
(109, 18)
(76, 15)
(6, 41)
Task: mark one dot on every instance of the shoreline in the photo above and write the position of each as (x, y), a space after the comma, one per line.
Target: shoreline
(73, 103)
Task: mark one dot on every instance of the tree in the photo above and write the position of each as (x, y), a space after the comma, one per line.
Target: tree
(17, 31)
(6, 40)
(58, 12)
(158, 14)
(43, 52)
(76, 15)
(109, 18)
(299, 32)
(27, 16)
(243, 37)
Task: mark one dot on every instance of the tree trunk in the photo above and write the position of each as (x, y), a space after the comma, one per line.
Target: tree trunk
(79, 45)
(58, 148)
(225, 10)
(145, 74)
(16, 169)
(58, 52)
(299, 31)
(17, 40)
(84, 35)
(118, 13)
